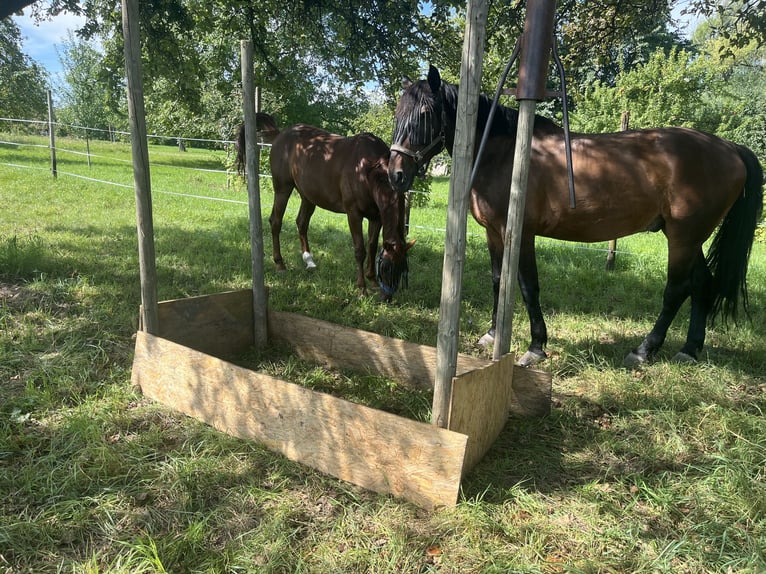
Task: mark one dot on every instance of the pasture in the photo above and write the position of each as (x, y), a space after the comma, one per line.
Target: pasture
(662, 469)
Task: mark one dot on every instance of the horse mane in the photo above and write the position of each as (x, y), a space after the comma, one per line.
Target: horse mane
(505, 120)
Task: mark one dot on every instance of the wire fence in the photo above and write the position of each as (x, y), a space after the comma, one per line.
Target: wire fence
(229, 174)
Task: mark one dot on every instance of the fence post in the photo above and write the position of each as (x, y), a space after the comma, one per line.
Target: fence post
(457, 210)
(142, 181)
(252, 159)
(51, 133)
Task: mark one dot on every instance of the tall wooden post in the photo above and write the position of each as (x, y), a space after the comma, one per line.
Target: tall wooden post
(533, 70)
(457, 211)
(141, 178)
(52, 134)
(252, 157)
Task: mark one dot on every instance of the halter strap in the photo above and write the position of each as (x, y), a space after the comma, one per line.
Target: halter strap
(419, 156)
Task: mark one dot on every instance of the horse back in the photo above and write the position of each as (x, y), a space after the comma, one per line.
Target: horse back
(331, 171)
(631, 181)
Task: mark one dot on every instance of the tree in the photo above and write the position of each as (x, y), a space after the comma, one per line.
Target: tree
(739, 97)
(665, 91)
(85, 98)
(23, 83)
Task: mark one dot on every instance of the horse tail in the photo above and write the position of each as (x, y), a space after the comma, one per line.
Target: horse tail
(267, 129)
(729, 252)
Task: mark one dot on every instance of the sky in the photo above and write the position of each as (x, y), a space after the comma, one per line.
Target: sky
(39, 41)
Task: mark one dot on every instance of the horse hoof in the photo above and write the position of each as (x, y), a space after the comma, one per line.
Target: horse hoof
(486, 340)
(633, 360)
(531, 358)
(309, 260)
(682, 357)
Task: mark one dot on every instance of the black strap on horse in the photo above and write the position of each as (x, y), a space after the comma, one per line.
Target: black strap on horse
(567, 139)
(419, 156)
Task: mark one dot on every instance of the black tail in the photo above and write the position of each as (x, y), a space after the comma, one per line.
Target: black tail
(267, 131)
(730, 251)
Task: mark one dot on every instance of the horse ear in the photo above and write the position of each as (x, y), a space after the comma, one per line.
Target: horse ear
(434, 79)
(406, 82)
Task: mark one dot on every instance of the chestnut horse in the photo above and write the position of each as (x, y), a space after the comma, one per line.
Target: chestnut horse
(344, 175)
(676, 180)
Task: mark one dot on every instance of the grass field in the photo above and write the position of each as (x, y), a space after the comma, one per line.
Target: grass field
(657, 470)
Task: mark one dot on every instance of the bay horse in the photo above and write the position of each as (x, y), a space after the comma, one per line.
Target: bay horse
(344, 175)
(680, 181)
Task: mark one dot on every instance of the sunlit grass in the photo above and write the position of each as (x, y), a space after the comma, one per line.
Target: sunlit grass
(656, 470)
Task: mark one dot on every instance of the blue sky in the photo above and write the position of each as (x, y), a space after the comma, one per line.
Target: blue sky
(39, 41)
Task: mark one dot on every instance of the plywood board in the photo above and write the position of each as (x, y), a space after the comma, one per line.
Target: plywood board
(479, 406)
(354, 349)
(220, 325)
(373, 449)
(482, 400)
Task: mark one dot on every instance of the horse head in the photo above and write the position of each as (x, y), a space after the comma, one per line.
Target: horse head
(266, 131)
(418, 130)
(392, 269)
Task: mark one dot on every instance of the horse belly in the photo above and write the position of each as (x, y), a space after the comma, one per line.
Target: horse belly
(593, 220)
(319, 186)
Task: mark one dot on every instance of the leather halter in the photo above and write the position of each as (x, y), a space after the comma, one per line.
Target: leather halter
(419, 156)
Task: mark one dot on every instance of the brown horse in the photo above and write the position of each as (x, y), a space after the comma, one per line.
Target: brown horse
(344, 175)
(680, 181)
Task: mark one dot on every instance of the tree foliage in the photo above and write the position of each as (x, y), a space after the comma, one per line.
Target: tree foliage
(23, 83)
(85, 98)
(665, 91)
(315, 59)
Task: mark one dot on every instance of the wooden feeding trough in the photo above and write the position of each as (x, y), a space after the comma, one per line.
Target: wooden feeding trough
(183, 367)
(182, 345)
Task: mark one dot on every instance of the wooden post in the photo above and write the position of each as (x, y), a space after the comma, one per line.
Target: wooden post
(533, 65)
(457, 210)
(141, 178)
(252, 162)
(51, 134)
(612, 250)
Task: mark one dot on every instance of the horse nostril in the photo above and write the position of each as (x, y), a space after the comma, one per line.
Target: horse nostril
(399, 177)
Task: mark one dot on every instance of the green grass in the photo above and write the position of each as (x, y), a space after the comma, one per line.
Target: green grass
(657, 470)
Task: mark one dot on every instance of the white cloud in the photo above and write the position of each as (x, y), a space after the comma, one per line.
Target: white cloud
(39, 41)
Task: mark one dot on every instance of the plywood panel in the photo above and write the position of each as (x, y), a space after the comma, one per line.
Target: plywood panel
(354, 349)
(482, 400)
(480, 405)
(220, 324)
(373, 449)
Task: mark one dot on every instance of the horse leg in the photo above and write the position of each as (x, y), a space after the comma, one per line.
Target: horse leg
(302, 221)
(281, 197)
(496, 262)
(355, 225)
(530, 293)
(373, 236)
(677, 288)
(702, 303)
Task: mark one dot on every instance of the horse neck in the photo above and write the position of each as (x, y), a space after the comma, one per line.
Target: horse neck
(504, 122)
(391, 214)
